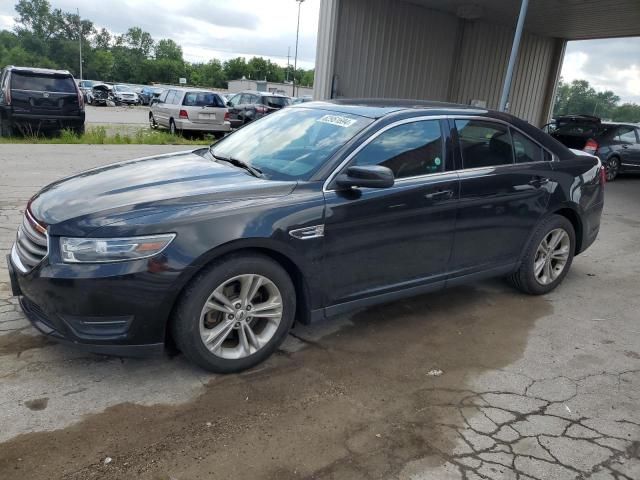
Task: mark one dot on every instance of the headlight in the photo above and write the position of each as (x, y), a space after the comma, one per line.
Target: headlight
(100, 250)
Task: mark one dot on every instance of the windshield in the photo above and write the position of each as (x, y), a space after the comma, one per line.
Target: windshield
(293, 143)
(53, 83)
(122, 88)
(202, 99)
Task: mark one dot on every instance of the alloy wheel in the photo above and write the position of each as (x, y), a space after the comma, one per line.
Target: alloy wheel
(612, 169)
(241, 316)
(551, 256)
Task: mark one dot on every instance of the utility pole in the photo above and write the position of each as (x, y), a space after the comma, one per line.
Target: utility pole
(80, 40)
(513, 59)
(295, 59)
(288, 57)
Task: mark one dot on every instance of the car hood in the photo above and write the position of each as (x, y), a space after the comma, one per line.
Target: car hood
(134, 186)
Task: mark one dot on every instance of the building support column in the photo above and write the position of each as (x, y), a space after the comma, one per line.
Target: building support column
(326, 49)
(513, 59)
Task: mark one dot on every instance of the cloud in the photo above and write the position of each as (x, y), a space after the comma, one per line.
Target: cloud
(612, 64)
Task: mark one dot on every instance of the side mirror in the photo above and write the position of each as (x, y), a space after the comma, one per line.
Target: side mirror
(369, 176)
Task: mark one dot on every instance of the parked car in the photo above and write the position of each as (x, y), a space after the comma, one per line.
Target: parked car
(124, 94)
(190, 110)
(147, 93)
(86, 87)
(245, 107)
(303, 99)
(34, 100)
(616, 144)
(102, 94)
(305, 214)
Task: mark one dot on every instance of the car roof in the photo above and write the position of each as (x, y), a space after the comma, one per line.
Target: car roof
(378, 108)
(43, 71)
(620, 124)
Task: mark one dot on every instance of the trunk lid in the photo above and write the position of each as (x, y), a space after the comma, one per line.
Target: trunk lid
(44, 94)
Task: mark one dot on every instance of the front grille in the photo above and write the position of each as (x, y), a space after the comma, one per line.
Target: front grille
(31, 242)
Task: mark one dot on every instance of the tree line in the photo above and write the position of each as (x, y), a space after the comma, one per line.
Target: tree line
(50, 38)
(578, 97)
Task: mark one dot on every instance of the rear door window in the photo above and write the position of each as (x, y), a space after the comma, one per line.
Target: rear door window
(526, 150)
(409, 150)
(41, 83)
(484, 144)
(626, 135)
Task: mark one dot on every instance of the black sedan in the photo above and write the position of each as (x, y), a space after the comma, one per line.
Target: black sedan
(311, 212)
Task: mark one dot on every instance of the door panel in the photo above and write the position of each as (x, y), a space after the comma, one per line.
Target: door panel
(379, 240)
(499, 207)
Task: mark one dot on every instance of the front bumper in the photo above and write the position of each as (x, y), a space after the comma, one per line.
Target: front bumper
(116, 309)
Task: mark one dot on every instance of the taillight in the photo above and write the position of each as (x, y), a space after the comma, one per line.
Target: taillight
(183, 114)
(7, 94)
(80, 99)
(227, 116)
(591, 146)
(603, 175)
(261, 109)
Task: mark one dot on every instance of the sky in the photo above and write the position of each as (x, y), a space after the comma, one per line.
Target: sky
(612, 64)
(225, 29)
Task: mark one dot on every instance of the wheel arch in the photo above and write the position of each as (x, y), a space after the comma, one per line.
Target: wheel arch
(572, 215)
(292, 267)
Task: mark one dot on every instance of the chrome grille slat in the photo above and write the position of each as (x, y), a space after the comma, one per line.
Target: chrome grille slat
(33, 234)
(31, 245)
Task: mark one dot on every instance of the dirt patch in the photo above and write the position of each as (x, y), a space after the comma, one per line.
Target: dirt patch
(15, 343)
(37, 404)
(363, 404)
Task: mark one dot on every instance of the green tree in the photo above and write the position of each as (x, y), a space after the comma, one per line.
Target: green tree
(236, 68)
(628, 112)
(167, 49)
(35, 16)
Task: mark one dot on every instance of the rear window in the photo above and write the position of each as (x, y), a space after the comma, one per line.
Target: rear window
(202, 99)
(20, 81)
(276, 102)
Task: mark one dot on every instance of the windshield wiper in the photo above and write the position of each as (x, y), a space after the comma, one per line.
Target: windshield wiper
(256, 172)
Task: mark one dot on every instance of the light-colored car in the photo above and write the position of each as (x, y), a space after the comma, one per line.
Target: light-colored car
(190, 110)
(124, 94)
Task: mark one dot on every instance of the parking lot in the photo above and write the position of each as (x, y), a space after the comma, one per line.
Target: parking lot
(470, 383)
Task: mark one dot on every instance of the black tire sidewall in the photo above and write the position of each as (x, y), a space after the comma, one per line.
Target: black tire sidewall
(526, 272)
(617, 162)
(186, 321)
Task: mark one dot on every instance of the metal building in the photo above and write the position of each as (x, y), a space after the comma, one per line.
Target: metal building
(459, 50)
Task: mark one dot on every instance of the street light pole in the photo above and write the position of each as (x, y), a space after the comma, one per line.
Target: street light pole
(80, 40)
(295, 59)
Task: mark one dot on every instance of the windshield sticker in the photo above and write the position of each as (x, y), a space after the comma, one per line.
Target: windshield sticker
(337, 120)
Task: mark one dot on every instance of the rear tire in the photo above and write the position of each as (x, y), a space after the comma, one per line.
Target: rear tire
(219, 328)
(79, 130)
(547, 258)
(612, 168)
(172, 127)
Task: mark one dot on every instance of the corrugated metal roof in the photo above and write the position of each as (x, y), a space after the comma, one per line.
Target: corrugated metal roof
(567, 19)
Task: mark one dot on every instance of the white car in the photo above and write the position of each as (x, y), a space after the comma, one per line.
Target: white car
(190, 110)
(125, 94)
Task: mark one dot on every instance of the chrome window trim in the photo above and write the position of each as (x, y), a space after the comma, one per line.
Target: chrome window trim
(349, 157)
(334, 173)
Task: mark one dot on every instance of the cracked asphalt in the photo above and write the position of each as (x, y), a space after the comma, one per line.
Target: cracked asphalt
(478, 382)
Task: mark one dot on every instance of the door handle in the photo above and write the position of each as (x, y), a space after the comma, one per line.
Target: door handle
(539, 181)
(440, 195)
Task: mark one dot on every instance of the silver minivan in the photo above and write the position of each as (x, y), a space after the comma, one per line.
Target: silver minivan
(190, 110)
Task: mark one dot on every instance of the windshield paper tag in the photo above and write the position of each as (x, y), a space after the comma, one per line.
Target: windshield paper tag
(337, 120)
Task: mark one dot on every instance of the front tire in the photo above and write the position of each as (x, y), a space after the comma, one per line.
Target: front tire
(152, 122)
(172, 127)
(235, 313)
(547, 258)
(6, 130)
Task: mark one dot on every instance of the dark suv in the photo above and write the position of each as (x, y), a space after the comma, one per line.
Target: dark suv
(251, 105)
(35, 100)
(616, 144)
